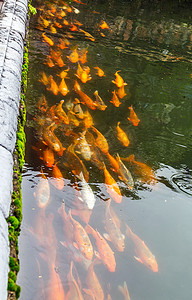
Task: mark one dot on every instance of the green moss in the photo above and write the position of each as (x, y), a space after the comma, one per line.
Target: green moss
(18, 291)
(32, 10)
(11, 285)
(12, 276)
(14, 221)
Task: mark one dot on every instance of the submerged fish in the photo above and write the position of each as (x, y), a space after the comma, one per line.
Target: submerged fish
(74, 56)
(121, 135)
(63, 89)
(101, 141)
(51, 140)
(42, 193)
(100, 72)
(143, 254)
(47, 39)
(113, 229)
(112, 186)
(124, 291)
(115, 99)
(84, 147)
(87, 195)
(74, 291)
(54, 288)
(84, 98)
(61, 114)
(93, 283)
(119, 80)
(57, 180)
(100, 104)
(105, 252)
(133, 117)
(124, 174)
(48, 157)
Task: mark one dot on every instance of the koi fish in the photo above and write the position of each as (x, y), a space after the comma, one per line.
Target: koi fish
(74, 291)
(84, 147)
(67, 226)
(65, 22)
(133, 117)
(74, 56)
(83, 57)
(87, 195)
(49, 62)
(101, 141)
(57, 180)
(44, 22)
(53, 86)
(64, 74)
(61, 114)
(87, 34)
(75, 163)
(42, 193)
(85, 99)
(143, 254)
(73, 27)
(100, 72)
(119, 80)
(42, 104)
(105, 252)
(78, 110)
(47, 39)
(124, 174)
(72, 118)
(114, 234)
(100, 104)
(51, 140)
(62, 45)
(115, 99)
(124, 291)
(63, 89)
(112, 186)
(48, 157)
(93, 283)
(103, 25)
(121, 92)
(53, 29)
(141, 169)
(88, 120)
(121, 135)
(54, 288)
(81, 238)
(77, 1)
(79, 70)
(57, 24)
(44, 79)
(83, 74)
(113, 162)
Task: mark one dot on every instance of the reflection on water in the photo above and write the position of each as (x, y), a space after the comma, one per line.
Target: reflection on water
(108, 153)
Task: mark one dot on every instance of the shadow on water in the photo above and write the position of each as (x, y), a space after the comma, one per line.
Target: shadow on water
(150, 42)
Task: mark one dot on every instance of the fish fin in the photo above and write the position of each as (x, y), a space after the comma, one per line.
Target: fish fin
(64, 244)
(107, 237)
(120, 178)
(138, 259)
(78, 152)
(97, 254)
(75, 245)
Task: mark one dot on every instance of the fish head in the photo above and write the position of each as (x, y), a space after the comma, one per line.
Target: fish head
(151, 263)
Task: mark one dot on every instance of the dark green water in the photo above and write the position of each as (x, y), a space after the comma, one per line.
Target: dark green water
(151, 45)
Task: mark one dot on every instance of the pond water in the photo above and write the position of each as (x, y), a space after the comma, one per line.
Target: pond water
(151, 46)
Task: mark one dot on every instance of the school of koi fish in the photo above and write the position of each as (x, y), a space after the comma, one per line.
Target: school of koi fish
(69, 140)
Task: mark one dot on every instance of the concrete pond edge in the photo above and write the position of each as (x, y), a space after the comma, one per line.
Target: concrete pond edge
(14, 17)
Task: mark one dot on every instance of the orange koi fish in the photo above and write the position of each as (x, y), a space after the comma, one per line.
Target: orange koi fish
(42, 193)
(73, 162)
(61, 114)
(113, 162)
(67, 226)
(87, 34)
(74, 56)
(64, 74)
(62, 45)
(119, 80)
(83, 57)
(47, 39)
(100, 72)
(74, 290)
(124, 174)
(105, 252)
(63, 89)
(53, 29)
(57, 180)
(103, 25)
(85, 99)
(44, 22)
(102, 34)
(100, 104)
(62, 14)
(112, 186)
(113, 230)
(51, 140)
(49, 62)
(121, 135)
(93, 283)
(76, 22)
(54, 288)
(44, 79)
(145, 172)
(73, 27)
(65, 22)
(115, 99)
(81, 238)
(79, 70)
(121, 92)
(101, 141)
(42, 104)
(124, 291)
(79, 2)
(133, 117)
(60, 62)
(83, 146)
(78, 110)
(57, 24)
(88, 120)
(53, 86)
(48, 157)
(143, 254)
(72, 118)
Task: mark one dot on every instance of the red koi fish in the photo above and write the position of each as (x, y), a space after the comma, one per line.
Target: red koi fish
(48, 157)
(143, 254)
